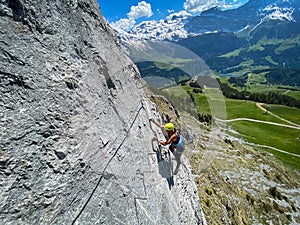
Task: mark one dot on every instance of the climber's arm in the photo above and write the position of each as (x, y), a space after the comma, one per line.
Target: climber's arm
(156, 123)
(171, 139)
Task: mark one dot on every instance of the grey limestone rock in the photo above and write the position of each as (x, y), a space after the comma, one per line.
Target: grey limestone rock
(76, 144)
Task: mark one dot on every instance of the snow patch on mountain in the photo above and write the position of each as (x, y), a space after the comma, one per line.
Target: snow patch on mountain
(277, 13)
(160, 30)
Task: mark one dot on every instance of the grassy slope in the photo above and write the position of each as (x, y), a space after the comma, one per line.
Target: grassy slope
(266, 49)
(247, 109)
(294, 94)
(281, 138)
(289, 113)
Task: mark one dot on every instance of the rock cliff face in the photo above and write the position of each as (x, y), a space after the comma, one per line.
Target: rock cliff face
(76, 144)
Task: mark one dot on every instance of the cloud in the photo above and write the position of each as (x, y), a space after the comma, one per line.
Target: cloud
(182, 14)
(124, 24)
(196, 6)
(142, 9)
(231, 5)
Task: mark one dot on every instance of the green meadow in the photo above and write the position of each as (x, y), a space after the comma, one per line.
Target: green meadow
(289, 113)
(281, 138)
(294, 94)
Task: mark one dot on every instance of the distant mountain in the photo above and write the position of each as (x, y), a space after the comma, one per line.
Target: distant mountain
(228, 54)
(248, 16)
(262, 34)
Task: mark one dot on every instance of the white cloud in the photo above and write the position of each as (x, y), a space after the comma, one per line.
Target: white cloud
(195, 6)
(124, 24)
(142, 9)
(232, 5)
(229, 6)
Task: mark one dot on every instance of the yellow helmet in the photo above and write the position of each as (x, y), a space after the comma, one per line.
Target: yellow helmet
(169, 127)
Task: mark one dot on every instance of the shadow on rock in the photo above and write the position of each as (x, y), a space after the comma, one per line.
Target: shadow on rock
(165, 166)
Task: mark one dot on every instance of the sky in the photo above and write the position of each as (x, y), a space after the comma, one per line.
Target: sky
(126, 14)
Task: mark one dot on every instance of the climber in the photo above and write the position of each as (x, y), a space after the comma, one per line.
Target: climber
(174, 139)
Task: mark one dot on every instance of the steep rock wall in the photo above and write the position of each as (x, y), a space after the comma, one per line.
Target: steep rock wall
(76, 144)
